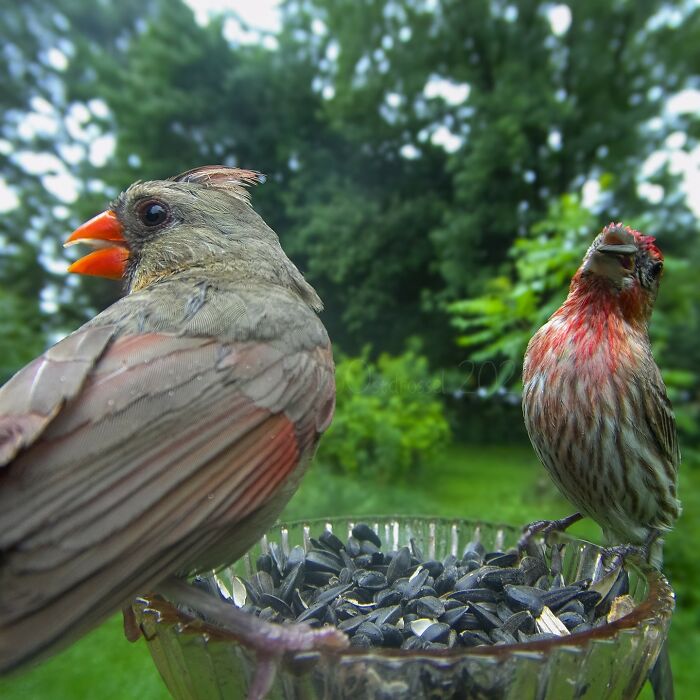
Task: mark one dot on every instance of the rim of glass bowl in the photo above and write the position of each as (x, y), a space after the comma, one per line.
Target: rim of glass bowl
(654, 610)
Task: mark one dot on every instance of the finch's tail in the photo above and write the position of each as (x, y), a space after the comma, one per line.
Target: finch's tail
(661, 676)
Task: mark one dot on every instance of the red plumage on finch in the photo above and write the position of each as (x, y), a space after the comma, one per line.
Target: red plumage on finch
(594, 402)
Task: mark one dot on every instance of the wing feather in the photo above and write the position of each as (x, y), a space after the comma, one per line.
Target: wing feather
(660, 419)
(31, 399)
(163, 449)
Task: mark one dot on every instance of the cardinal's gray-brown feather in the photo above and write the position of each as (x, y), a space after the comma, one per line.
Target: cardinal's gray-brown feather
(127, 486)
(32, 398)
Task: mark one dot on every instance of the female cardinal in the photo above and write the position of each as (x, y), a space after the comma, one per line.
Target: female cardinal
(165, 435)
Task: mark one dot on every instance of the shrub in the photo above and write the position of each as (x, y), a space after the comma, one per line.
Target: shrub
(389, 416)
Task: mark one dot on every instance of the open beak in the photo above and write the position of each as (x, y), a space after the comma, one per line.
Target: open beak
(105, 233)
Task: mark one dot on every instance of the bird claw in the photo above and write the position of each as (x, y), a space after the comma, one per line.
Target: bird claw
(267, 640)
(545, 527)
(272, 641)
(618, 552)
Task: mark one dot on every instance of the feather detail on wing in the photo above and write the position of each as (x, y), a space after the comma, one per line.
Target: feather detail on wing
(33, 397)
(659, 417)
(173, 445)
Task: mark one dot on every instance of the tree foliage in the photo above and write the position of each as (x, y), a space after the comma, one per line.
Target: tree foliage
(419, 154)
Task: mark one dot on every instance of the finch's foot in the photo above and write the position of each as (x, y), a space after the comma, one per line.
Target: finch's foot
(643, 551)
(616, 554)
(545, 527)
(269, 641)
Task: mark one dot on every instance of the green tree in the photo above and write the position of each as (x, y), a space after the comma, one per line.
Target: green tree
(534, 110)
(499, 323)
(48, 51)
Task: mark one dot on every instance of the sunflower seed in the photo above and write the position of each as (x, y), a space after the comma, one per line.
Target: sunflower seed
(429, 606)
(392, 635)
(364, 532)
(437, 632)
(399, 599)
(372, 631)
(549, 623)
(331, 541)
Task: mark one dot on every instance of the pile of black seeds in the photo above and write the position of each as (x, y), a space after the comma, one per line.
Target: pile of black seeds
(400, 599)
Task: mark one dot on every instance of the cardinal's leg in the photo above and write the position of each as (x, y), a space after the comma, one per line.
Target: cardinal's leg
(269, 641)
(131, 629)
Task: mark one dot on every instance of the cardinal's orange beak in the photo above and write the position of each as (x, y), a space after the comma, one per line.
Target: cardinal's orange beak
(103, 232)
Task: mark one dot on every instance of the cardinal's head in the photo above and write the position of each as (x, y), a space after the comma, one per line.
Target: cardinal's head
(199, 219)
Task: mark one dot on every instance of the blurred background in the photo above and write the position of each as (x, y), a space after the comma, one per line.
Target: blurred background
(435, 167)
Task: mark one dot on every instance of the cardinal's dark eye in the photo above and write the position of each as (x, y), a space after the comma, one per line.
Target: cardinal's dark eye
(153, 213)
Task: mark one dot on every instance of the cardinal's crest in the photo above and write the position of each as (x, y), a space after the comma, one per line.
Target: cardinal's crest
(233, 179)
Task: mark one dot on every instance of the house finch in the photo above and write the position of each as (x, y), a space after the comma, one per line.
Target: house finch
(165, 435)
(594, 402)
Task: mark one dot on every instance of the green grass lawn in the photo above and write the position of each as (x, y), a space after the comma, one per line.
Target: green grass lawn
(490, 483)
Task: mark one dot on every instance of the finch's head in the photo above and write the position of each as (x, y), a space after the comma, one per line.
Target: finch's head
(201, 219)
(624, 259)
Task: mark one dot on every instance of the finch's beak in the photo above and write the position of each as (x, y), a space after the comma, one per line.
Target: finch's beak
(617, 249)
(105, 233)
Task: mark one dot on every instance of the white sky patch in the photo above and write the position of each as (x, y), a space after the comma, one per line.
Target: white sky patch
(41, 105)
(102, 149)
(653, 163)
(261, 14)
(676, 140)
(651, 192)
(63, 186)
(57, 59)
(510, 14)
(99, 108)
(38, 163)
(72, 153)
(684, 102)
(78, 115)
(54, 176)
(590, 194)
(687, 165)
(409, 151)
(453, 93)
(679, 161)
(554, 140)
(393, 99)
(235, 33)
(442, 136)
(36, 124)
(333, 51)
(60, 212)
(559, 17)
(8, 197)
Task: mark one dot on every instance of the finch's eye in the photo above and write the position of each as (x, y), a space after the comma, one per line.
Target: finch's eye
(153, 213)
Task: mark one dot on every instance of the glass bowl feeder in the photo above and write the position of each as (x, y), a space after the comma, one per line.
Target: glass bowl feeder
(198, 661)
